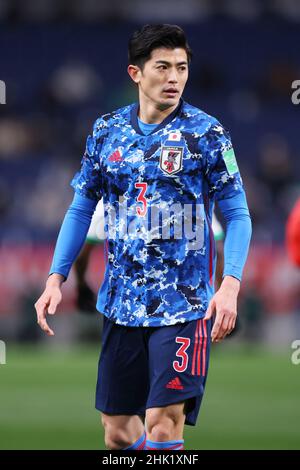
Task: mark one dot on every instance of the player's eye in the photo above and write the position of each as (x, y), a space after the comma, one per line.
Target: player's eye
(162, 67)
(182, 68)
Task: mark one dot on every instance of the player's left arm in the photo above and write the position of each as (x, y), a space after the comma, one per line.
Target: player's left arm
(225, 184)
(238, 233)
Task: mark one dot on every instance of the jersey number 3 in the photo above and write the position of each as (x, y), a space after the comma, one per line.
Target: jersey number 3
(141, 211)
(182, 354)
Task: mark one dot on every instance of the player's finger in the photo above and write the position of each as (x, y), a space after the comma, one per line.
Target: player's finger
(220, 335)
(41, 309)
(41, 319)
(232, 324)
(45, 327)
(210, 310)
(52, 307)
(224, 329)
(216, 328)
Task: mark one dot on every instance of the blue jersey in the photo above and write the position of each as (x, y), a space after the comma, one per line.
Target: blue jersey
(158, 192)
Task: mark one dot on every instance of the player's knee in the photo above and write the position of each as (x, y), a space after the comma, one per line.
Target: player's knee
(160, 427)
(160, 433)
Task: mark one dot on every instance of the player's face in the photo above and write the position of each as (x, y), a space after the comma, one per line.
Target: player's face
(163, 77)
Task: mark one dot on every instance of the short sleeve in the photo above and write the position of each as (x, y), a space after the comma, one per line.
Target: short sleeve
(220, 167)
(88, 181)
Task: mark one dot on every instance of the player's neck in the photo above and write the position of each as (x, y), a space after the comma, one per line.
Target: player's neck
(150, 113)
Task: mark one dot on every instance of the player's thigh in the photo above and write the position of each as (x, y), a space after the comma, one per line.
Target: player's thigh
(123, 381)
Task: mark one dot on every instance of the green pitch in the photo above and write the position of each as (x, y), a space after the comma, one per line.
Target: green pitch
(47, 400)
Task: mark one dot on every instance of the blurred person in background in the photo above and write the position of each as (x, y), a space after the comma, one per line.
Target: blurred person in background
(158, 296)
(293, 234)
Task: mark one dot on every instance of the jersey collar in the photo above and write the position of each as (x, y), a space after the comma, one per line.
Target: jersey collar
(134, 118)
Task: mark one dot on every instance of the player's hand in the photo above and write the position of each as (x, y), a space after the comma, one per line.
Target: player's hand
(224, 305)
(48, 302)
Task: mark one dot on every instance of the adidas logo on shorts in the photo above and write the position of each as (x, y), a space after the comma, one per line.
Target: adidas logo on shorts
(175, 384)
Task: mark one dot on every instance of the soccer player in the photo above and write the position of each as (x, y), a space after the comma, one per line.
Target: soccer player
(159, 165)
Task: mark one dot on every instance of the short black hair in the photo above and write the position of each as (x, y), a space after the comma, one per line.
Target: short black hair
(153, 36)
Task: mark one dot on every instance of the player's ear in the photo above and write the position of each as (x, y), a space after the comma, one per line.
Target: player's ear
(134, 72)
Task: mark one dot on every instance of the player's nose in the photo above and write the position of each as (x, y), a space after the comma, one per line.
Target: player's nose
(173, 78)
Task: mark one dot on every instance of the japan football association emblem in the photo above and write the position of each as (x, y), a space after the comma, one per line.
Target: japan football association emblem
(170, 161)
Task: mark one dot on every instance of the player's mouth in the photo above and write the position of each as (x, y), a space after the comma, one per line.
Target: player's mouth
(171, 92)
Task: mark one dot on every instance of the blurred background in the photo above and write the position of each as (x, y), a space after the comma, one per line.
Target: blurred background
(64, 64)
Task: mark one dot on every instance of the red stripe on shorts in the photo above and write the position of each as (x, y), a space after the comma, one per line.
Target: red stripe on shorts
(204, 349)
(195, 348)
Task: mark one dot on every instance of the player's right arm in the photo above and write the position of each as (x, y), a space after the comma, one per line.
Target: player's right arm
(88, 185)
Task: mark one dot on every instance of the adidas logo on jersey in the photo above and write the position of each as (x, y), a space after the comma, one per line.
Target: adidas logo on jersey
(175, 384)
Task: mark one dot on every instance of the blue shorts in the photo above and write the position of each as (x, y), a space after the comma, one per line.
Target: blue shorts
(151, 367)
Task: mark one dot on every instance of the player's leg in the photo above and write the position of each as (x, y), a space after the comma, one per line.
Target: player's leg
(122, 431)
(178, 364)
(123, 385)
